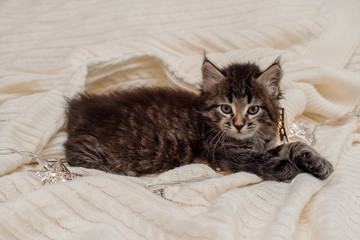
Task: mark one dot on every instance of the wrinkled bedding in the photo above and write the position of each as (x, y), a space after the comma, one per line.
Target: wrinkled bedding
(52, 50)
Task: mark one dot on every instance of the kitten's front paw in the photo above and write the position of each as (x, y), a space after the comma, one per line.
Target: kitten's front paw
(316, 165)
(311, 162)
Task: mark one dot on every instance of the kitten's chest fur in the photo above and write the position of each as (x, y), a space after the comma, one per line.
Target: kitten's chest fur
(135, 132)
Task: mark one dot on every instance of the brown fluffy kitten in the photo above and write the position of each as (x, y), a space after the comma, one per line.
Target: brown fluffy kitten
(232, 123)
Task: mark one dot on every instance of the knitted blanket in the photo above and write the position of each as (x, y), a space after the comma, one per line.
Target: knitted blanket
(52, 50)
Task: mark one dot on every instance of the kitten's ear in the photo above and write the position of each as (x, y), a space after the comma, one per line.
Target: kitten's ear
(211, 75)
(270, 78)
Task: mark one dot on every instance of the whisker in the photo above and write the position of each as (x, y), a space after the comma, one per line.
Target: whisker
(218, 141)
(209, 144)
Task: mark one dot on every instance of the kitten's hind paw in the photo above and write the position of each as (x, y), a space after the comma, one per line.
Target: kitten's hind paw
(311, 162)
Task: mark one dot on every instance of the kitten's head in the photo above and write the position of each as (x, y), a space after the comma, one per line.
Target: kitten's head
(241, 100)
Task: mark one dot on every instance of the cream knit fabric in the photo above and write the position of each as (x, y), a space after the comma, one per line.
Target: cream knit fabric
(51, 50)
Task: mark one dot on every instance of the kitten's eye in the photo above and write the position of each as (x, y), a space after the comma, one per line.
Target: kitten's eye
(226, 109)
(253, 110)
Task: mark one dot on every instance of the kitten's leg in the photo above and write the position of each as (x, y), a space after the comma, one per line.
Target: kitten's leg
(268, 165)
(281, 163)
(307, 159)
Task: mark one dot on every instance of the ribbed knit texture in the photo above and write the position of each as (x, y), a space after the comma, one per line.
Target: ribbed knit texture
(51, 50)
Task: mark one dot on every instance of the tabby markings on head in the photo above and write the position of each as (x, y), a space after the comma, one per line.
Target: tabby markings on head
(241, 100)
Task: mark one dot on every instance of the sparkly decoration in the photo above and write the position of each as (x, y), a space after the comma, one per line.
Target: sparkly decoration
(281, 126)
(54, 170)
(161, 193)
(299, 131)
(54, 173)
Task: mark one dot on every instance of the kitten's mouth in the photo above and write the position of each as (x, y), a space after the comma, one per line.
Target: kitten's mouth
(238, 134)
(242, 134)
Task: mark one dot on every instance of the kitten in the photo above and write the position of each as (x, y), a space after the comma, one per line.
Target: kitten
(232, 123)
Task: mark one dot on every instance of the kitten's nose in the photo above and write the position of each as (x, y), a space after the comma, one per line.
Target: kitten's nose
(238, 127)
(238, 122)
